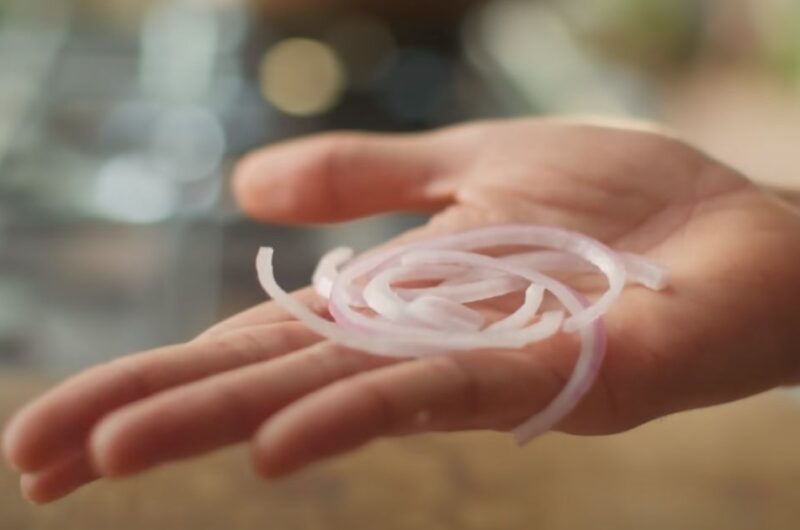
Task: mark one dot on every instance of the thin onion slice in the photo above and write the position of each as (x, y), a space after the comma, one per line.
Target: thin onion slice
(602, 257)
(643, 271)
(589, 358)
(427, 342)
(469, 292)
(372, 312)
(639, 269)
(385, 301)
(328, 269)
(534, 296)
(441, 313)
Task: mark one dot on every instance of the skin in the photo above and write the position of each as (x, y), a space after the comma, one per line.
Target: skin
(725, 329)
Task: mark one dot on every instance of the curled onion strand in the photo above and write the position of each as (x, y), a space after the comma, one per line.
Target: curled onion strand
(374, 308)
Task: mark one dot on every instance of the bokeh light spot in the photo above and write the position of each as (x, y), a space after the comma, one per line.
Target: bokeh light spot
(302, 77)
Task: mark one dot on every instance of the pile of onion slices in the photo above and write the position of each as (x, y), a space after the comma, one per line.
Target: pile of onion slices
(427, 298)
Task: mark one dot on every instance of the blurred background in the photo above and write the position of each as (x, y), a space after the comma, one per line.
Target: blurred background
(121, 120)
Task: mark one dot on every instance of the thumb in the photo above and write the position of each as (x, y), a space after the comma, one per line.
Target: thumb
(340, 176)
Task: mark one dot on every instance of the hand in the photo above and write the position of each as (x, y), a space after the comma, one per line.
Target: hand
(726, 328)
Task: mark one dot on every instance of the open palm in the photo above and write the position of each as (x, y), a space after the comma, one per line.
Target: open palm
(722, 331)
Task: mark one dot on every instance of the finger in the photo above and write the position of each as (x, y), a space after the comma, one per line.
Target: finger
(266, 313)
(342, 176)
(467, 391)
(63, 479)
(217, 411)
(57, 481)
(56, 425)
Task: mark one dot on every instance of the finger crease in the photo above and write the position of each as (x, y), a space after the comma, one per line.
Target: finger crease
(241, 418)
(139, 384)
(470, 389)
(387, 412)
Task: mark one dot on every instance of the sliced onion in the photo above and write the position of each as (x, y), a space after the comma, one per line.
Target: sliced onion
(326, 328)
(534, 295)
(469, 292)
(643, 271)
(590, 358)
(639, 270)
(385, 301)
(551, 260)
(605, 259)
(328, 269)
(445, 314)
(434, 320)
(427, 341)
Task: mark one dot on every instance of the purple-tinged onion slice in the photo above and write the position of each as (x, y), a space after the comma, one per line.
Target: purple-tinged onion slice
(328, 269)
(380, 336)
(534, 295)
(376, 311)
(443, 314)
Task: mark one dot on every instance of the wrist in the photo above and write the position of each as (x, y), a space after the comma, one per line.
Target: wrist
(789, 195)
(793, 335)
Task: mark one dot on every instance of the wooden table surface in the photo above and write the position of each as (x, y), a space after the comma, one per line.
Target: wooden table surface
(732, 467)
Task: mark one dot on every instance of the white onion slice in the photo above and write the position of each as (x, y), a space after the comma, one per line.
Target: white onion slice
(534, 295)
(326, 328)
(602, 257)
(427, 341)
(590, 357)
(456, 257)
(643, 271)
(385, 301)
(445, 314)
(328, 269)
(639, 269)
(551, 260)
(469, 292)
(434, 320)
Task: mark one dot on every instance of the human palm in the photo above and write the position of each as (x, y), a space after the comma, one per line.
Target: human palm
(723, 330)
